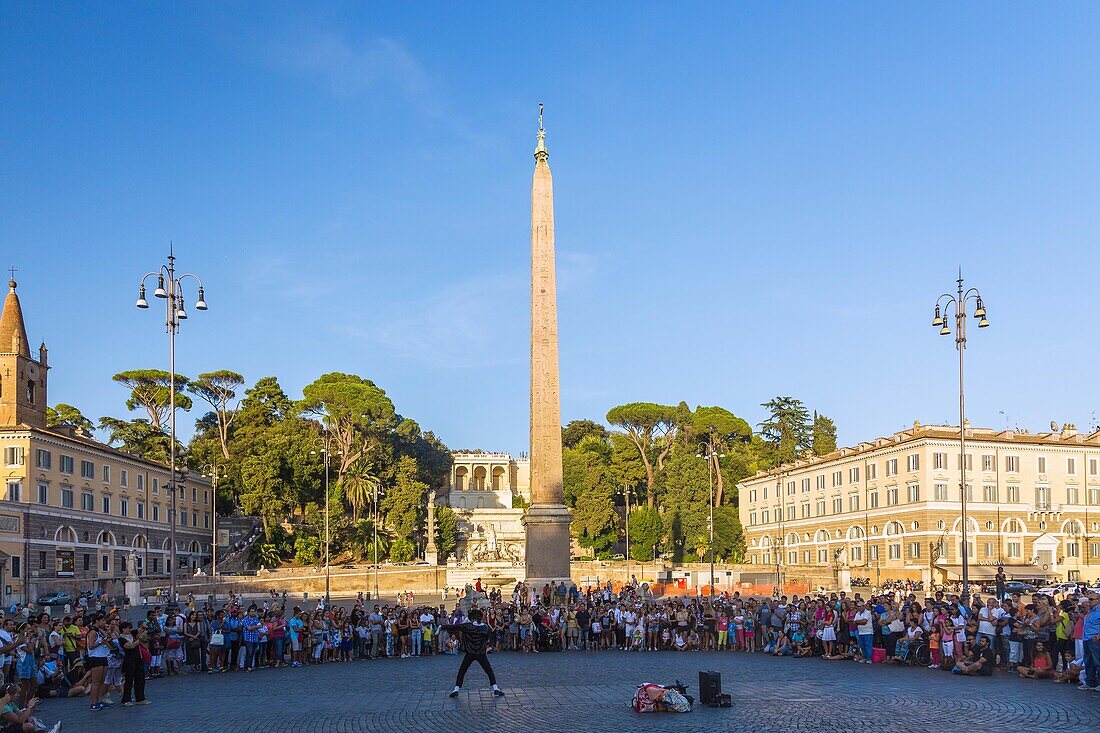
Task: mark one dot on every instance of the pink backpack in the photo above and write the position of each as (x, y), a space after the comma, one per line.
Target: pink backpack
(642, 702)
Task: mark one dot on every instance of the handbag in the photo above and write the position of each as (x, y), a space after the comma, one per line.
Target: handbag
(217, 639)
(173, 643)
(146, 657)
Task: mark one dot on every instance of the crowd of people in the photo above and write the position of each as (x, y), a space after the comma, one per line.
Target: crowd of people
(98, 653)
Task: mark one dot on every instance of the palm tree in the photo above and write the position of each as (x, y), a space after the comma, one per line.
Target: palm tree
(360, 482)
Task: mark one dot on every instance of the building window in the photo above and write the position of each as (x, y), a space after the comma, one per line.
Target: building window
(913, 492)
(872, 500)
(156, 512)
(895, 550)
(790, 513)
(124, 507)
(1073, 549)
(141, 482)
(892, 467)
(106, 505)
(195, 492)
(838, 478)
(66, 464)
(872, 553)
(821, 481)
(765, 493)
(43, 493)
(752, 496)
(1094, 496)
(912, 462)
(1071, 466)
(1042, 498)
(856, 553)
(105, 563)
(805, 486)
(1094, 466)
(914, 550)
(1012, 464)
(156, 566)
(1072, 496)
(891, 496)
(989, 549)
(205, 496)
(140, 510)
(1015, 549)
(1042, 464)
(67, 497)
(752, 518)
(820, 508)
(872, 470)
(989, 493)
(969, 462)
(195, 517)
(87, 501)
(853, 502)
(987, 462)
(13, 491)
(124, 478)
(106, 474)
(42, 560)
(87, 470)
(156, 485)
(939, 461)
(183, 518)
(13, 455)
(853, 475)
(1013, 493)
(43, 459)
(838, 505)
(16, 566)
(805, 510)
(1094, 549)
(205, 520)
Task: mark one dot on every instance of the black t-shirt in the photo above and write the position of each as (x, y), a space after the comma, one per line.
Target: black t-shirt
(989, 657)
(583, 619)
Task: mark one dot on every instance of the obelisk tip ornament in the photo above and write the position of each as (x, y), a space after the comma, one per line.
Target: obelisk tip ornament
(547, 520)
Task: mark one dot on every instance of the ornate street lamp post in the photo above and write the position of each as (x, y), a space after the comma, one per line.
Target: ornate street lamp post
(324, 444)
(705, 451)
(958, 302)
(214, 472)
(170, 289)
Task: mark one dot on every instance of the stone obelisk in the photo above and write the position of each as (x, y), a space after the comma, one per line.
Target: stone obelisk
(547, 520)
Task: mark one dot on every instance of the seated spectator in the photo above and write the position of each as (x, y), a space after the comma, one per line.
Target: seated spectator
(1071, 668)
(1041, 665)
(693, 641)
(979, 661)
(21, 720)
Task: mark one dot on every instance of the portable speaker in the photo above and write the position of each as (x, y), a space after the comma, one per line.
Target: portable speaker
(710, 687)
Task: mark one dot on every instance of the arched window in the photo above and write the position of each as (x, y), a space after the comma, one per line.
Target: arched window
(855, 532)
(792, 538)
(140, 542)
(498, 478)
(821, 536)
(65, 534)
(894, 528)
(30, 391)
(460, 478)
(479, 479)
(106, 538)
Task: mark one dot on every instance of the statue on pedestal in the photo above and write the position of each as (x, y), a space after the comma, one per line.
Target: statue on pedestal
(131, 565)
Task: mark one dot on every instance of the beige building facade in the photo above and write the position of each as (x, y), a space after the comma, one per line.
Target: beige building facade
(72, 508)
(488, 492)
(891, 508)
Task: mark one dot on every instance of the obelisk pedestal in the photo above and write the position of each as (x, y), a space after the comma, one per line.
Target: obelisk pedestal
(547, 521)
(431, 554)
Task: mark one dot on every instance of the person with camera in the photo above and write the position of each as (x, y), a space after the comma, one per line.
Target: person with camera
(133, 668)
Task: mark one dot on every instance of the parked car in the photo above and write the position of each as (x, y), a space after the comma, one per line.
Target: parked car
(55, 599)
(1018, 586)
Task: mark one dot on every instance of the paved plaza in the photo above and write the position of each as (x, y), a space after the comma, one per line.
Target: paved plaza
(577, 692)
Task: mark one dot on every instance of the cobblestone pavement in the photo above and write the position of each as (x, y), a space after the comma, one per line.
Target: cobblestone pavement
(578, 692)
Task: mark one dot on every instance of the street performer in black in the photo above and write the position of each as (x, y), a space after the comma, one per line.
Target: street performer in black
(475, 638)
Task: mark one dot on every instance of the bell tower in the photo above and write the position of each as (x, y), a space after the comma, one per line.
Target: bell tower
(22, 378)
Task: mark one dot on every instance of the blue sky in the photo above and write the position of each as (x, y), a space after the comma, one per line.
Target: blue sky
(751, 200)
